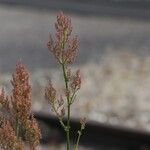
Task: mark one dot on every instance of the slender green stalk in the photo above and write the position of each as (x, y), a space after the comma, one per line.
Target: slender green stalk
(78, 139)
(68, 107)
(60, 118)
(82, 127)
(64, 49)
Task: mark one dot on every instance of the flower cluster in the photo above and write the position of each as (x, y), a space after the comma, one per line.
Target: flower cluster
(8, 138)
(63, 48)
(32, 132)
(20, 125)
(21, 94)
(57, 104)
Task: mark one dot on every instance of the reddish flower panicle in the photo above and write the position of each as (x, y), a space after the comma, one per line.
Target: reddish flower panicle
(21, 106)
(63, 48)
(8, 139)
(32, 133)
(21, 97)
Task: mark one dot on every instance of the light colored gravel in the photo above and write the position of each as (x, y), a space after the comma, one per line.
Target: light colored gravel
(114, 91)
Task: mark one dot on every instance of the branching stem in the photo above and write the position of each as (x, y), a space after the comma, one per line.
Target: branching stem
(68, 106)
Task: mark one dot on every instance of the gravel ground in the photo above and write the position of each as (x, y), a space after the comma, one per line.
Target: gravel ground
(114, 91)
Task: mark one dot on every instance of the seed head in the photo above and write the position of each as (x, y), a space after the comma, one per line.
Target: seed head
(21, 93)
(21, 107)
(8, 139)
(63, 47)
(32, 132)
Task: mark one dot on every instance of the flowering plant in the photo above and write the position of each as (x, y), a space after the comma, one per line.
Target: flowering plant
(17, 123)
(64, 49)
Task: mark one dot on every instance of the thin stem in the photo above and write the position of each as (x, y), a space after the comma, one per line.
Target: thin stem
(68, 107)
(72, 97)
(62, 123)
(67, 129)
(80, 133)
(78, 139)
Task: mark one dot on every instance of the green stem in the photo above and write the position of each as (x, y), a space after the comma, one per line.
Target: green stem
(72, 97)
(60, 118)
(62, 124)
(68, 107)
(78, 139)
(67, 129)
